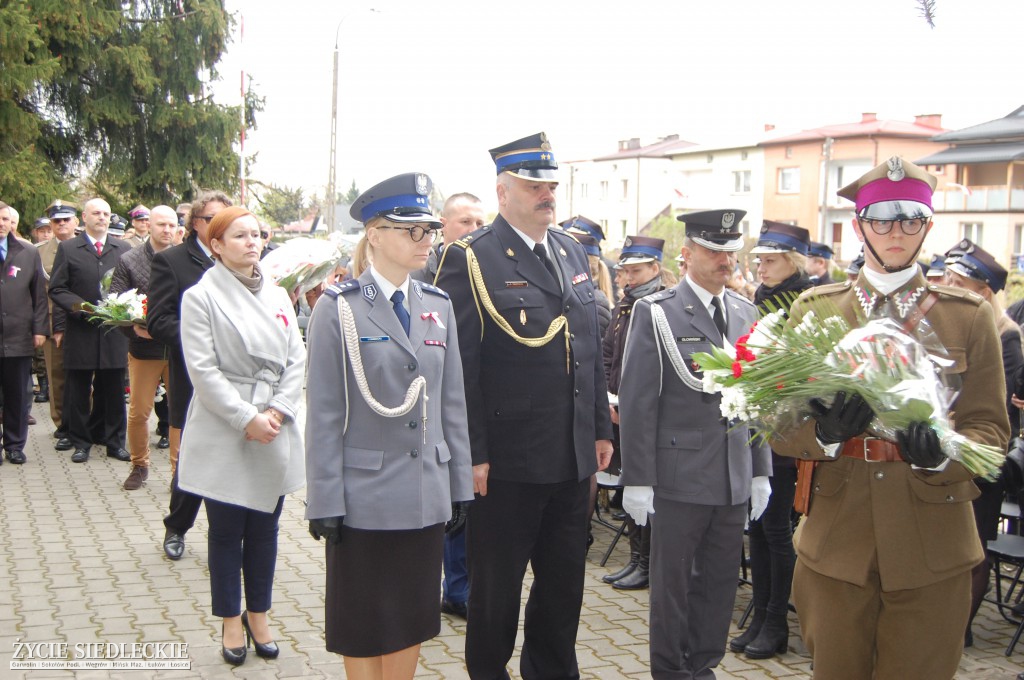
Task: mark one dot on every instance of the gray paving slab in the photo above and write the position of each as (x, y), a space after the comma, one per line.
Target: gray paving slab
(81, 562)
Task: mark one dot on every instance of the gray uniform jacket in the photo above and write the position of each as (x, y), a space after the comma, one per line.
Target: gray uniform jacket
(244, 353)
(677, 441)
(379, 473)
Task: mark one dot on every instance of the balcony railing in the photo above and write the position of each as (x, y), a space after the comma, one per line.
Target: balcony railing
(978, 199)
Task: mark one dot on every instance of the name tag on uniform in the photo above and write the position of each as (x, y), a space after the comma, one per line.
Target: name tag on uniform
(517, 284)
(377, 338)
(693, 339)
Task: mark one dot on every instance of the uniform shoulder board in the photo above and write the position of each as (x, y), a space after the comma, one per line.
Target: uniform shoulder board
(958, 293)
(342, 287)
(739, 298)
(467, 240)
(562, 232)
(428, 288)
(660, 296)
(827, 289)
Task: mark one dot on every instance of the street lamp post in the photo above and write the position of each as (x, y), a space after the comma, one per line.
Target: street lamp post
(332, 173)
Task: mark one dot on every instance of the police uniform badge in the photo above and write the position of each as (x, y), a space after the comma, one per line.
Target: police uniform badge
(510, 252)
(728, 219)
(370, 292)
(522, 317)
(422, 184)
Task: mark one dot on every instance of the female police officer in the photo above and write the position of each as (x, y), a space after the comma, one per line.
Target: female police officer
(387, 449)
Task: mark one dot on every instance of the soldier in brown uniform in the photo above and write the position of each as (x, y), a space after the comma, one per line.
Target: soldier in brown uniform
(882, 582)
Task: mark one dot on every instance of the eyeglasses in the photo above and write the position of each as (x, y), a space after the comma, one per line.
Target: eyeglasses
(204, 218)
(417, 233)
(59, 220)
(883, 227)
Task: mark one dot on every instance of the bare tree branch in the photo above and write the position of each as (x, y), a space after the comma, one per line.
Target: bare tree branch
(927, 9)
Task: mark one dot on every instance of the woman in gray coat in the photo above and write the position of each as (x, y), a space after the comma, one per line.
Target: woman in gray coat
(241, 449)
(387, 447)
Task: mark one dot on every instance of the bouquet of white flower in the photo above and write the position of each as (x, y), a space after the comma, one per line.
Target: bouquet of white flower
(777, 368)
(126, 309)
(302, 263)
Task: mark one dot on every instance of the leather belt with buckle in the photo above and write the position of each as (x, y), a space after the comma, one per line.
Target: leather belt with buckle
(871, 449)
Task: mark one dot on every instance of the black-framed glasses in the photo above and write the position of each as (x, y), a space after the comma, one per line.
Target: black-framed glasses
(59, 220)
(416, 232)
(909, 226)
(204, 218)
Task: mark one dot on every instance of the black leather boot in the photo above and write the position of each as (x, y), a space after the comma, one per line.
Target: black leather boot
(639, 578)
(43, 395)
(634, 555)
(773, 638)
(739, 643)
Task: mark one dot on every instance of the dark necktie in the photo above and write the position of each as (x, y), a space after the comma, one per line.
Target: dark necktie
(719, 317)
(542, 253)
(400, 311)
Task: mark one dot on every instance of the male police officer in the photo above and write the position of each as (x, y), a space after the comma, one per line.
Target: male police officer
(537, 404)
(683, 461)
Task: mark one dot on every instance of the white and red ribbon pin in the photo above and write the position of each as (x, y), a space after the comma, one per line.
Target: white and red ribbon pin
(281, 315)
(433, 316)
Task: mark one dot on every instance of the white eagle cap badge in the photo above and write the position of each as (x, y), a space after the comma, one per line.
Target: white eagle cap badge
(422, 183)
(896, 172)
(627, 243)
(728, 219)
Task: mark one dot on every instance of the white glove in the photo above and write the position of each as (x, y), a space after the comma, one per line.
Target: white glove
(638, 501)
(760, 492)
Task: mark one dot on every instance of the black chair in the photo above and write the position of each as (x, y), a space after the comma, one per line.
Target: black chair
(609, 483)
(1008, 550)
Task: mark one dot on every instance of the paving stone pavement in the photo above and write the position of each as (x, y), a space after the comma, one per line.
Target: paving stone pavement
(81, 562)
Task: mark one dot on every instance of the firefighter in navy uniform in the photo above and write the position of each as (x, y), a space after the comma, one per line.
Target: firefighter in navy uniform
(538, 417)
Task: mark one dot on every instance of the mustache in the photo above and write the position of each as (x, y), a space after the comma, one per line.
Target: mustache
(545, 205)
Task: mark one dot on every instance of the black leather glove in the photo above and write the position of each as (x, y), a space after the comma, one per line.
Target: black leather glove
(919, 445)
(460, 511)
(327, 528)
(846, 418)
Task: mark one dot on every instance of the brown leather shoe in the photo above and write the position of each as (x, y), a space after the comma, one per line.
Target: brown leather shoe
(136, 477)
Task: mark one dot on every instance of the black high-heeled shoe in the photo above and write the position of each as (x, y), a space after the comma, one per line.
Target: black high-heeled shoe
(268, 650)
(233, 655)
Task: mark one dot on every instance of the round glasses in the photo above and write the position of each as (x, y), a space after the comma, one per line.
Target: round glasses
(882, 227)
(416, 233)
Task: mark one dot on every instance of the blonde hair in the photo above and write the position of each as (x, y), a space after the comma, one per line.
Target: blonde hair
(361, 258)
(797, 260)
(600, 275)
(668, 277)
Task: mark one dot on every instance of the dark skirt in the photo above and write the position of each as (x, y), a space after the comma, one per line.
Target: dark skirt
(383, 590)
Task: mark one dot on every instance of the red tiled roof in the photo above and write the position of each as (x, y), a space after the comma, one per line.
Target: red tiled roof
(864, 128)
(657, 150)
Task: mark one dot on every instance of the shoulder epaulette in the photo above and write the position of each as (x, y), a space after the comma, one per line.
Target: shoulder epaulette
(429, 288)
(467, 240)
(739, 298)
(342, 287)
(827, 289)
(959, 293)
(562, 232)
(666, 294)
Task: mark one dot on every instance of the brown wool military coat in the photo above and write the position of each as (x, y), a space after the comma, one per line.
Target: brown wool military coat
(918, 525)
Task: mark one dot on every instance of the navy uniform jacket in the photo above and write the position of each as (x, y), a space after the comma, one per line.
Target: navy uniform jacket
(76, 277)
(378, 472)
(534, 412)
(674, 438)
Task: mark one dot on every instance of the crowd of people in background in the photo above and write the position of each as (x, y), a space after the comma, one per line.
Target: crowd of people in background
(505, 366)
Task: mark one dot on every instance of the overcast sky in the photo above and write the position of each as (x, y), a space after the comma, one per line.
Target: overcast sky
(430, 85)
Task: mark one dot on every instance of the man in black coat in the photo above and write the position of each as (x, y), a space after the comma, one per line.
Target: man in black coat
(538, 417)
(174, 271)
(94, 359)
(24, 325)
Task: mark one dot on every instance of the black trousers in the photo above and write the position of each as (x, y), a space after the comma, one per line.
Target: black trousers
(182, 509)
(160, 408)
(772, 556)
(516, 524)
(106, 423)
(241, 542)
(16, 387)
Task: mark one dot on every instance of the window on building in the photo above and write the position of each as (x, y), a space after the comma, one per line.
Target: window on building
(741, 182)
(789, 180)
(604, 189)
(837, 235)
(1018, 239)
(971, 230)
(625, 188)
(743, 155)
(583, 190)
(604, 226)
(711, 158)
(789, 152)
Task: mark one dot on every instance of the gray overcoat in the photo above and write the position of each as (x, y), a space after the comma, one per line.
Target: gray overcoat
(379, 473)
(243, 353)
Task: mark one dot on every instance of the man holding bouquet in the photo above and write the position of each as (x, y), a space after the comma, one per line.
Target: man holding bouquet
(882, 582)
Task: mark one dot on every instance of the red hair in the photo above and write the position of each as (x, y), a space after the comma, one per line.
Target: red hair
(222, 220)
